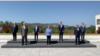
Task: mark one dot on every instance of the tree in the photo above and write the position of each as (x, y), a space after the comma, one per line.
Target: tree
(19, 26)
(1, 24)
(92, 28)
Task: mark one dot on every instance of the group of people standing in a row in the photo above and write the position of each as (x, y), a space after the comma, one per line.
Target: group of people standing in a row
(79, 31)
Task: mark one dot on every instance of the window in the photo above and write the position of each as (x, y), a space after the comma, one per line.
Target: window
(98, 21)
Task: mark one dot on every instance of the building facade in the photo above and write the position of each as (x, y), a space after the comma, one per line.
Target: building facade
(97, 22)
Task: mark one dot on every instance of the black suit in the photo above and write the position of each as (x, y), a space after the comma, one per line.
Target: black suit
(77, 37)
(60, 29)
(36, 31)
(14, 31)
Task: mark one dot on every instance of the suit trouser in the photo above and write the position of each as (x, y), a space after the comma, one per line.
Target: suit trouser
(36, 36)
(24, 38)
(60, 36)
(82, 36)
(48, 40)
(14, 37)
(77, 40)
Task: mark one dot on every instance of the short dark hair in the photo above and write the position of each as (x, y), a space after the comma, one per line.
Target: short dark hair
(82, 22)
(77, 25)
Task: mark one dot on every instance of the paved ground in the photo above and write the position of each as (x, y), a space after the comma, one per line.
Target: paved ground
(50, 51)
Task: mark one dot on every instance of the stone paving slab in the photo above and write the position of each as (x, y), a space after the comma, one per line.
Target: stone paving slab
(50, 51)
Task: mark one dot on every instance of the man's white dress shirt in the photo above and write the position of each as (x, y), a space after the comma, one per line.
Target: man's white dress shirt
(82, 25)
(78, 29)
(61, 26)
(36, 28)
(24, 26)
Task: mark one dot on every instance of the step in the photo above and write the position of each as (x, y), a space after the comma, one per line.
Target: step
(44, 45)
(44, 41)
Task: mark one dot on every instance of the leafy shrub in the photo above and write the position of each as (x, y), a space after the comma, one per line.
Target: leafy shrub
(42, 31)
(6, 29)
(88, 31)
(92, 31)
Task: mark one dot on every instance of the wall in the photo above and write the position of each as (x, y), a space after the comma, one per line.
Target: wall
(97, 17)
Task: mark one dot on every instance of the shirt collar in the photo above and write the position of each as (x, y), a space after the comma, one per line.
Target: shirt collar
(14, 24)
(48, 28)
(82, 25)
(24, 25)
(77, 28)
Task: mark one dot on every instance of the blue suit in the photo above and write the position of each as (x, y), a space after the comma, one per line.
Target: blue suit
(60, 29)
(36, 32)
(77, 37)
(35, 29)
(14, 30)
(76, 32)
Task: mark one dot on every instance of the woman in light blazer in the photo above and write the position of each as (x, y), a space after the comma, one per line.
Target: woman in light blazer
(48, 34)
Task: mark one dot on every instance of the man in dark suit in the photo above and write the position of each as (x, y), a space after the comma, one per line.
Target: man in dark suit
(24, 33)
(83, 29)
(36, 31)
(61, 30)
(77, 35)
(14, 31)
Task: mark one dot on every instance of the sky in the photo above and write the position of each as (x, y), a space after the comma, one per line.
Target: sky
(70, 13)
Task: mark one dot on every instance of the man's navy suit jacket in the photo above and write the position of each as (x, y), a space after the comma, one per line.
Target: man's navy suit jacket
(76, 32)
(15, 29)
(35, 29)
(61, 29)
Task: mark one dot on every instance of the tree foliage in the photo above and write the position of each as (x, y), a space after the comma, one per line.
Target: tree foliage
(68, 30)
